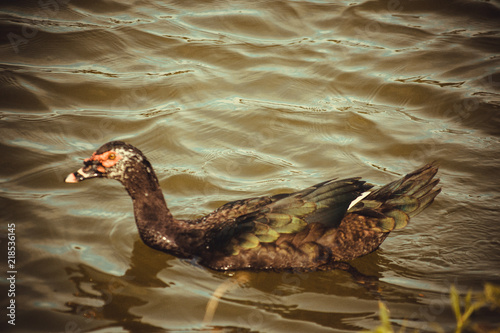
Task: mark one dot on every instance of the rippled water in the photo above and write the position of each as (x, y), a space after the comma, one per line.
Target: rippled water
(232, 99)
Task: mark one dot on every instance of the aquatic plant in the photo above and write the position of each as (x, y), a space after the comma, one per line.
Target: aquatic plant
(463, 308)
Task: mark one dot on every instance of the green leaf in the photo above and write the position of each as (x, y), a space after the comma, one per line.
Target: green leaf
(455, 303)
(384, 318)
(492, 294)
(468, 300)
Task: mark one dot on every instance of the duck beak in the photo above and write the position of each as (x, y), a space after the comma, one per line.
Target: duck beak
(90, 170)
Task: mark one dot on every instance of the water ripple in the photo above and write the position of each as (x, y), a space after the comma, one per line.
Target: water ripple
(238, 99)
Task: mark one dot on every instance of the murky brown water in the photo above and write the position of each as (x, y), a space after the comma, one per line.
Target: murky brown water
(231, 99)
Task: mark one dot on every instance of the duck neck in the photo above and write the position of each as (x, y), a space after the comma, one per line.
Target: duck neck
(154, 220)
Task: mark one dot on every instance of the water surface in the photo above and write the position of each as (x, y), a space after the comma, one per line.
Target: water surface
(231, 99)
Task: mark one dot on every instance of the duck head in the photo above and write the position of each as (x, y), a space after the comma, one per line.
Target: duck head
(112, 160)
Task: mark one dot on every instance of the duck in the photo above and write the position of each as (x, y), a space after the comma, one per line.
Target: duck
(316, 228)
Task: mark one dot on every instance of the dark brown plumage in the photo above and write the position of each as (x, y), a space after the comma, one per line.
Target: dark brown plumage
(310, 229)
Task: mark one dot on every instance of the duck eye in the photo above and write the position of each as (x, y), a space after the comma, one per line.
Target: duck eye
(111, 156)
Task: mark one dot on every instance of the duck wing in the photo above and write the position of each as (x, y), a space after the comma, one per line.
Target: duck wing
(263, 220)
(317, 227)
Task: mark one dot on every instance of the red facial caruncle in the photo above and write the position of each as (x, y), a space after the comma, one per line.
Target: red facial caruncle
(107, 159)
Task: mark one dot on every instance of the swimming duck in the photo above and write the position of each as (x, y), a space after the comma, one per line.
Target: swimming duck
(315, 228)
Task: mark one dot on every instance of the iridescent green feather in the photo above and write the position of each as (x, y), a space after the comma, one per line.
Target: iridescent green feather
(401, 199)
(400, 218)
(300, 209)
(248, 241)
(265, 233)
(403, 202)
(285, 223)
(385, 224)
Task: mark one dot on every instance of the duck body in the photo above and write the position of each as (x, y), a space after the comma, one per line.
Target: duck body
(310, 229)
